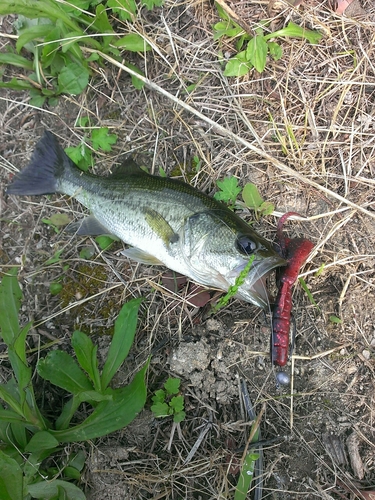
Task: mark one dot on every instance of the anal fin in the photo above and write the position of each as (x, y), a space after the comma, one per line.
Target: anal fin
(141, 256)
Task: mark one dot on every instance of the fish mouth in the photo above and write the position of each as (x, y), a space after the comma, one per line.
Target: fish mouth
(254, 289)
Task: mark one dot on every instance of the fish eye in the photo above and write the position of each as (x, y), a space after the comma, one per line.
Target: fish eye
(245, 245)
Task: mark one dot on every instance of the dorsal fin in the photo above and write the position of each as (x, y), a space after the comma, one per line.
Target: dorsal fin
(127, 167)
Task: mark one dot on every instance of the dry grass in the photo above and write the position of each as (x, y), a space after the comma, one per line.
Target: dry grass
(303, 131)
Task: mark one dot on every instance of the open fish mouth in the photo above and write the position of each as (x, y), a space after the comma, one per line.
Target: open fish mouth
(254, 288)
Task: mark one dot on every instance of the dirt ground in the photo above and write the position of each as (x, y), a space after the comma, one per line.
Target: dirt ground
(304, 132)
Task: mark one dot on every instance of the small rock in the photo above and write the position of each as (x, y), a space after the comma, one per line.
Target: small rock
(366, 354)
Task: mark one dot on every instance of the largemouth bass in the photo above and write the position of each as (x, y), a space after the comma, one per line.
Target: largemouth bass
(166, 222)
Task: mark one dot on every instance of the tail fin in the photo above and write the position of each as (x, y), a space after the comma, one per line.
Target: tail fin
(48, 163)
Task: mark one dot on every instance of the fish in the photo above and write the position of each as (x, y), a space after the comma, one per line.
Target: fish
(164, 221)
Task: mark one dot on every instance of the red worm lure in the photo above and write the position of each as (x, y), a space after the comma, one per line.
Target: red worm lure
(295, 251)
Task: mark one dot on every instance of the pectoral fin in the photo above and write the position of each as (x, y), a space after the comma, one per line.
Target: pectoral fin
(141, 256)
(89, 226)
(160, 227)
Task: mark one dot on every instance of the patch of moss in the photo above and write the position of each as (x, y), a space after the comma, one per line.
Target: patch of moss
(85, 281)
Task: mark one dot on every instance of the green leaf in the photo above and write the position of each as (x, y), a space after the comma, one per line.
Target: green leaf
(38, 9)
(59, 219)
(22, 372)
(86, 355)
(32, 33)
(229, 190)
(56, 489)
(19, 436)
(16, 85)
(246, 476)
(67, 413)
(61, 370)
(256, 52)
(73, 79)
(37, 101)
(228, 28)
(109, 416)
(9, 415)
(104, 241)
(101, 139)
(266, 208)
(179, 417)
(275, 50)
(71, 473)
(87, 252)
(101, 21)
(126, 9)
(251, 196)
(78, 460)
(238, 65)
(10, 397)
(51, 46)
(150, 4)
(16, 60)
(125, 328)
(138, 84)
(320, 270)
(335, 319)
(42, 440)
(19, 344)
(162, 172)
(160, 409)
(159, 396)
(308, 293)
(177, 403)
(55, 288)
(233, 288)
(295, 31)
(55, 258)
(81, 155)
(172, 385)
(133, 42)
(10, 302)
(11, 478)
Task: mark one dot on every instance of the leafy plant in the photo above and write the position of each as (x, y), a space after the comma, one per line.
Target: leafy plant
(56, 221)
(28, 437)
(56, 35)
(308, 293)
(334, 319)
(259, 46)
(229, 191)
(234, 288)
(168, 401)
(249, 460)
(253, 200)
(99, 138)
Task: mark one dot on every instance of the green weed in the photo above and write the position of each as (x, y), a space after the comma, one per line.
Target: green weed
(259, 46)
(240, 280)
(305, 288)
(94, 140)
(334, 319)
(27, 437)
(229, 191)
(55, 35)
(168, 401)
(56, 221)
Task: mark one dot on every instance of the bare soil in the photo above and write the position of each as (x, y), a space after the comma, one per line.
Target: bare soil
(311, 116)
